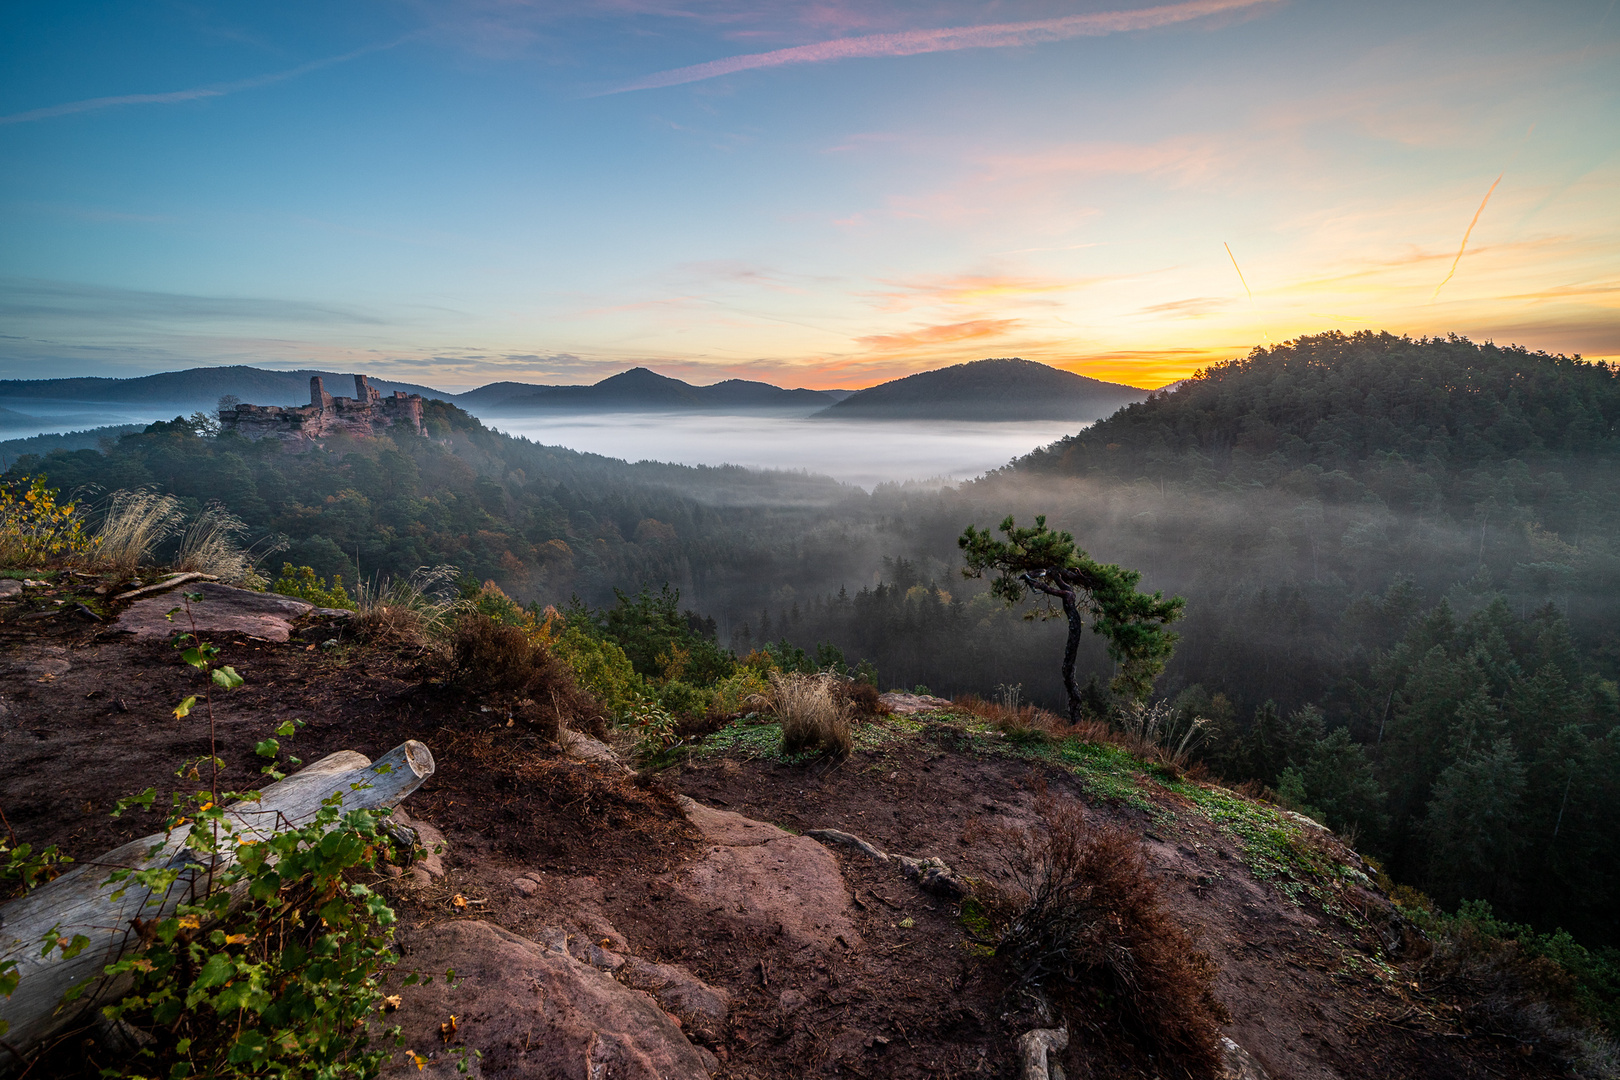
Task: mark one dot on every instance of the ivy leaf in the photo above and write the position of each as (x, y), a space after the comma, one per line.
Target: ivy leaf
(183, 710)
(226, 677)
(216, 972)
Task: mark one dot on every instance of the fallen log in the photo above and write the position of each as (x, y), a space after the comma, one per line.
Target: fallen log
(80, 901)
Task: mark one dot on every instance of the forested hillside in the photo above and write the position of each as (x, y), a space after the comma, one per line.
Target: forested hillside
(1399, 560)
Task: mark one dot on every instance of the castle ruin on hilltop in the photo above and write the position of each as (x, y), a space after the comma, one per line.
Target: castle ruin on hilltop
(367, 413)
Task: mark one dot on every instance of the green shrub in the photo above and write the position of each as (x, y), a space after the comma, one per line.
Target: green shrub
(301, 582)
(1594, 974)
(599, 666)
(683, 699)
(280, 985)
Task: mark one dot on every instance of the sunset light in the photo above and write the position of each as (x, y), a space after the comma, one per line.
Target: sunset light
(822, 197)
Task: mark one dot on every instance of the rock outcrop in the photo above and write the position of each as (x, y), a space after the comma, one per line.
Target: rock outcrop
(767, 880)
(532, 1010)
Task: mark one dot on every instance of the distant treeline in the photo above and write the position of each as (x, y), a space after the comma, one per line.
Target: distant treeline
(38, 445)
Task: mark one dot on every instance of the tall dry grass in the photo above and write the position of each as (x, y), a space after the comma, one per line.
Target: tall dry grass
(417, 610)
(813, 713)
(1163, 731)
(212, 544)
(132, 525)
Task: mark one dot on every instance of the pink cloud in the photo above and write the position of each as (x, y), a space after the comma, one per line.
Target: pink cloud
(948, 39)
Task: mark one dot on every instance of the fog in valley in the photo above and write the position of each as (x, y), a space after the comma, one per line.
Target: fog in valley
(865, 453)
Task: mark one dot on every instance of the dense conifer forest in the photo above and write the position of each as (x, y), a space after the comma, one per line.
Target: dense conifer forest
(1398, 557)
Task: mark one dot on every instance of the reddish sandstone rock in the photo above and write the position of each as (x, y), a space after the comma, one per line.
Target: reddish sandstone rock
(532, 1010)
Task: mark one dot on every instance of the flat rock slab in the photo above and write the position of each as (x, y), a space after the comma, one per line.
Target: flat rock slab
(906, 704)
(767, 880)
(222, 610)
(533, 1011)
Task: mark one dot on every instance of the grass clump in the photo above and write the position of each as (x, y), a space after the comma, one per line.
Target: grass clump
(133, 524)
(416, 610)
(499, 662)
(1085, 927)
(212, 544)
(1020, 722)
(813, 713)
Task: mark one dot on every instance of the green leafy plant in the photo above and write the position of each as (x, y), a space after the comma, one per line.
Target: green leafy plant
(23, 869)
(35, 525)
(269, 967)
(301, 582)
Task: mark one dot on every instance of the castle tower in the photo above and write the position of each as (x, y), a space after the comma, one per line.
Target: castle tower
(363, 392)
(318, 396)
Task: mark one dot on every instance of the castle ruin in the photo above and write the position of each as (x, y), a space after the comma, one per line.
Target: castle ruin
(367, 413)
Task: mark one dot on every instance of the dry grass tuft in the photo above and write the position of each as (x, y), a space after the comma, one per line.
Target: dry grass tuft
(863, 698)
(419, 611)
(133, 524)
(1022, 722)
(500, 662)
(1087, 917)
(212, 544)
(813, 712)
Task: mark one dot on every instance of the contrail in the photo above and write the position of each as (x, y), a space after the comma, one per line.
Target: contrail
(194, 94)
(1235, 266)
(914, 42)
(1466, 234)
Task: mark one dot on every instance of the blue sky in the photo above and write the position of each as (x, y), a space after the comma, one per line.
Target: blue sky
(822, 194)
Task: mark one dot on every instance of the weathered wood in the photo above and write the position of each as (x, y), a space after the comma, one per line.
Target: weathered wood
(166, 583)
(1038, 1052)
(80, 901)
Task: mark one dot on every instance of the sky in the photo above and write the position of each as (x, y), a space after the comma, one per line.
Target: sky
(823, 194)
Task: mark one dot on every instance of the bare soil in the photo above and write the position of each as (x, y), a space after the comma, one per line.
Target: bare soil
(85, 717)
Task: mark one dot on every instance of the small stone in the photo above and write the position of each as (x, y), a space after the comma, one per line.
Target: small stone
(525, 886)
(790, 1001)
(395, 871)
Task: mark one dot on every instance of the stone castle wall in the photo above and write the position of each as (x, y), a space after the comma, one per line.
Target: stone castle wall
(367, 413)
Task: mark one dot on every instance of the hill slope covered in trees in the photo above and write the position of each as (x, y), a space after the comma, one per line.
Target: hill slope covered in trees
(1009, 389)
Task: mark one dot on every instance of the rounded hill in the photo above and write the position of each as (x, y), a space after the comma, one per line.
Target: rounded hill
(1002, 389)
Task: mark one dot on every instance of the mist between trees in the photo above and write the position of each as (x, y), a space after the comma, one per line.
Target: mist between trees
(1399, 561)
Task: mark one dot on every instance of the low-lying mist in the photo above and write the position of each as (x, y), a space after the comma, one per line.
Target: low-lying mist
(866, 453)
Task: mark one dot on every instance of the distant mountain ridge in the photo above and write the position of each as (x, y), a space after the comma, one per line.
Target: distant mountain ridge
(995, 389)
(636, 390)
(642, 390)
(199, 387)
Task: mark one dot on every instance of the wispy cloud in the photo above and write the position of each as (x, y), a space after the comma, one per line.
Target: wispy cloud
(23, 298)
(948, 39)
(1191, 308)
(198, 93)
(974, 289)
(944, 334)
